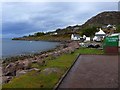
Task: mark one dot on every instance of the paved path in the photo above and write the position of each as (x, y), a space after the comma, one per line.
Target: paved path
(93, 71)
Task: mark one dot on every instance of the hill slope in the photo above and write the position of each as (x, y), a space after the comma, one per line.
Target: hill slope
(104, 18)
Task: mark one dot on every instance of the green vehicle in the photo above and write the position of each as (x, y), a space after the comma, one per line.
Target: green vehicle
(111, 41)
(110, 45)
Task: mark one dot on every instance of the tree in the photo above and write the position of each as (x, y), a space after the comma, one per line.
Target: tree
(30, 35)
(89, 31)
(39, 34)
(118, 28)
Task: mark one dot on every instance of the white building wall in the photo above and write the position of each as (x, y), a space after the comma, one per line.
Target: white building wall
(72, 37)
(87, 39)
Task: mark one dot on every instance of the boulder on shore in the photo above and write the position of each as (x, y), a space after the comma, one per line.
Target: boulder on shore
(48, 71)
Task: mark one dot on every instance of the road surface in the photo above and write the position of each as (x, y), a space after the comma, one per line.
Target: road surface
(93, 71)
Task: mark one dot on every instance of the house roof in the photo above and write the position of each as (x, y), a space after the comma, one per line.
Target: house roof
(101, 32)
(109, 25)
(76, 35)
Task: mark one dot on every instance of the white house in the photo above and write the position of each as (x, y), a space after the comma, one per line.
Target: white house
(75, 37)
(111, 26)
(85, 38)
(55, 33)
(99, 35)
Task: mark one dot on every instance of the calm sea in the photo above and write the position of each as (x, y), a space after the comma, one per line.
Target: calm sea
(15, 47)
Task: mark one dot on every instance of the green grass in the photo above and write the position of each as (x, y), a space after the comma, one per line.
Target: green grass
(49, 37)
(36, 79)
(89, 51)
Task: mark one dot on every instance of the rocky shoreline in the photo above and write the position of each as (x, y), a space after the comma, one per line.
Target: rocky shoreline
(16, 66)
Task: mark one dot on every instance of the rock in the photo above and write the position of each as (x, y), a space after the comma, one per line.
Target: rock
(48, 71)
(10, 65)
(9, 70)
(55, 54)
(36, 69)
(34, 61)
(6, 79)
(41, 62)
(19, 66)
(20, 72)
(27, 64)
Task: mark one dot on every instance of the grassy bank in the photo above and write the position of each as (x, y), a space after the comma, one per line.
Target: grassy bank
(35, 79)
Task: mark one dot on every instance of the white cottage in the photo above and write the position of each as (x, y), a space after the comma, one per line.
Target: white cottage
(86, 39)
(99, 36)
(55, 33)
(75, 37)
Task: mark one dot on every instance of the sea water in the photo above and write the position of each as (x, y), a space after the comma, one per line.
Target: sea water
(19, 47)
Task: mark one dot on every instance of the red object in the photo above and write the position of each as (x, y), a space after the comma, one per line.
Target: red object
(111, 50)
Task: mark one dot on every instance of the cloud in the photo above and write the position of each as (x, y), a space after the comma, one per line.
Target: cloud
(24, 18)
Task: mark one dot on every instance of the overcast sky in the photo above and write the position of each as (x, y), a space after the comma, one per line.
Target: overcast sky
(22, 18)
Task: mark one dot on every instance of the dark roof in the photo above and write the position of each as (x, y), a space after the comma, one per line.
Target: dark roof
(76, 35)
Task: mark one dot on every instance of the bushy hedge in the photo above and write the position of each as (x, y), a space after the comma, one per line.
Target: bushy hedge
(118, 28)
(89, 31)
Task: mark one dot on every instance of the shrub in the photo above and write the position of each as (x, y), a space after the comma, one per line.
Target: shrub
(118, 28)
(89, 31)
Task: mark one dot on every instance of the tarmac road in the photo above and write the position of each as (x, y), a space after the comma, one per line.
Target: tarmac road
(93, 71)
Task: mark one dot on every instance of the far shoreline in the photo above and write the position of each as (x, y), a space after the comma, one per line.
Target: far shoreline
(26, 39)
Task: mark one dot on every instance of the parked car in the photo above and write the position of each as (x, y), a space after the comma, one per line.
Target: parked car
(93, 46)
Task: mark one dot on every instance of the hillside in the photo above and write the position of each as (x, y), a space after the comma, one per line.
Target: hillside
(104, 18)
(88, 28)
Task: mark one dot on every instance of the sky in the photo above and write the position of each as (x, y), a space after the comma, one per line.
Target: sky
(24, 18)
